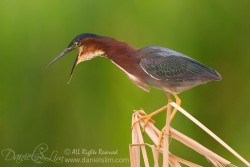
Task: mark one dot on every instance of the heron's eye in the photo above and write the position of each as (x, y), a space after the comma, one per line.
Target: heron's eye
(75, 43)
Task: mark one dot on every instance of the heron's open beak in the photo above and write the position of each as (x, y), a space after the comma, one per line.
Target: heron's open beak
(67, 50)
(74, 65)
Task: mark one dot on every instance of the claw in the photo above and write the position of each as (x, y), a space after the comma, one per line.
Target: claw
(146, 117)
(163, 132)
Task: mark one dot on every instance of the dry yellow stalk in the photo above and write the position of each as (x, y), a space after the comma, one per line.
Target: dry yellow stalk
(169, 159)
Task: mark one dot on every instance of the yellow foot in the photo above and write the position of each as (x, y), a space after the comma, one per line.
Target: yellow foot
(147, 118)
(163, 131)
(160, 138)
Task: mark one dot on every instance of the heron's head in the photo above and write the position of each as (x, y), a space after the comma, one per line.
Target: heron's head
(87, 47)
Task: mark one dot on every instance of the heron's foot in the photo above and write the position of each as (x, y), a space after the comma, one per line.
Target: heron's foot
(163, 132)
(160, 138)
(145, 117)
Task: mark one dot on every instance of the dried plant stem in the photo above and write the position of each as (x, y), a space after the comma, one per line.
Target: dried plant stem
(166, 138)
(210, 133)
(197, 147)
(163, 148)
(137, 138)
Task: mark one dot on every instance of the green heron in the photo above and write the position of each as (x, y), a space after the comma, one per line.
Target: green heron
(159, 67)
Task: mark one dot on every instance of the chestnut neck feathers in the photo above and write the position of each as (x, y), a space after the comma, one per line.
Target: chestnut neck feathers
(121, 54)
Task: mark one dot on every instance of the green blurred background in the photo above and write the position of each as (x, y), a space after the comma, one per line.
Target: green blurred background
(94, 110)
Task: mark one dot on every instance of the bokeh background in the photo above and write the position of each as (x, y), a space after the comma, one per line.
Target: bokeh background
(94, 110)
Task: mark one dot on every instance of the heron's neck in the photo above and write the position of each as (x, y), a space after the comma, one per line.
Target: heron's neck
(125, 57)
(120, 53)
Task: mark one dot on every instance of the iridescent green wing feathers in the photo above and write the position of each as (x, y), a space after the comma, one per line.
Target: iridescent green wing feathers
(165, 64)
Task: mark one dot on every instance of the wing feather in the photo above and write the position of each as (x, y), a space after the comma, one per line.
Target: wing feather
(166, 64)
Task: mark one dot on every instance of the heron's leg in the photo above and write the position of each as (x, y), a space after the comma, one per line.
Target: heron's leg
(169, 98)
(163, 130)
(178, 102)
(147, 118)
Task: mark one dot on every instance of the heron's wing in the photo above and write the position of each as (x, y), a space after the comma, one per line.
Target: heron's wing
(165, 64)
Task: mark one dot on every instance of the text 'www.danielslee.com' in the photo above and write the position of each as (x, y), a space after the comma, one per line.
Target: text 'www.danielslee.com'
(41, 154)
